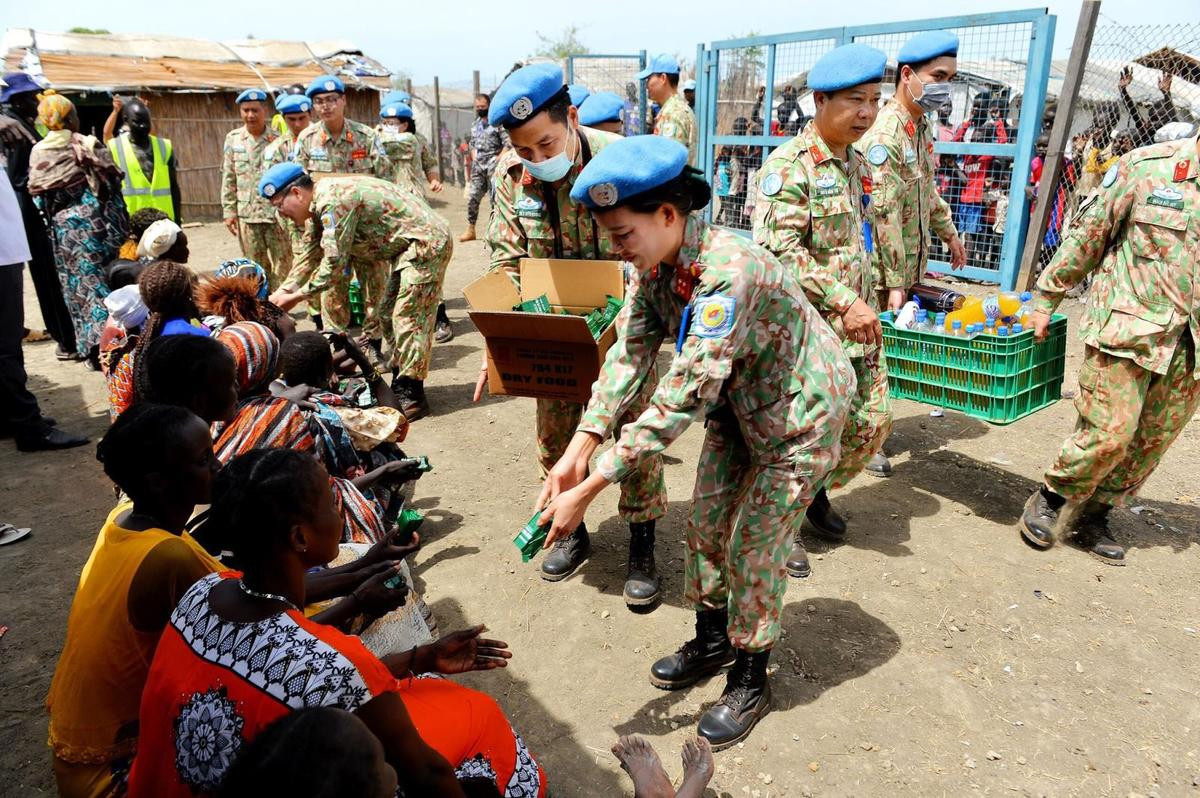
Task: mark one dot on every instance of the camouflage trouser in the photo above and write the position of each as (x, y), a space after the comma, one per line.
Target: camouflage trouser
(1128, 418)
(744, 518)
(870, 419)
(335, 300)
(643, 492)
(409, 311)
(481, 183)
(266, 244)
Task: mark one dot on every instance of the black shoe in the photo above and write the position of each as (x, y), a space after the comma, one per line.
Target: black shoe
(747, 698)
(410, 394)
(797, 561)
(566, 555)
(824, 520)
(1042, 518)
(879, 466)
(642, 582)
(52, 439)
(1092, 534)
(702, 656)
(442, 331)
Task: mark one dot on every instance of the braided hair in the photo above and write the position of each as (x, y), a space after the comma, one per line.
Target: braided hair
(257, 498)
(179, 370)
(138, 443)
(168, 291)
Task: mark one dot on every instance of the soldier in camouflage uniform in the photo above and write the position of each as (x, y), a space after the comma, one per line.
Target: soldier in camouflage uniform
(675, 119)
(535, 217)
(1139, 238)
(754, 359)
(814, 212)
(247, 215)
(488, 140)
(899, 149)
(335, 143)
(360, 223)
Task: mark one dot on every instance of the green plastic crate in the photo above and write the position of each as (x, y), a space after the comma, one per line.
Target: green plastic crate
(357, 312)
(998, 380)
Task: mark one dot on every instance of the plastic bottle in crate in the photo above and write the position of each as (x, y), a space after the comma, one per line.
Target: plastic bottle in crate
(939, 323)
(956, 329)
(937, 299)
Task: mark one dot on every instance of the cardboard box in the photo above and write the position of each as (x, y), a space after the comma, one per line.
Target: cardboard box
(545, 355)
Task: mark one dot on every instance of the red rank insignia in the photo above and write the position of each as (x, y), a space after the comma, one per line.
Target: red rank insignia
(526, 178)
(358, 155)
(867, 184)
(685, 280)
(1181, 171)
(929, 146)
(910, 128)
(815, 152)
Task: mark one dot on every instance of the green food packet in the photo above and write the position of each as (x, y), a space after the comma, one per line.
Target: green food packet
(539, 305)
(531, 537)
(396, 582)
(409, 522)
(423, 464)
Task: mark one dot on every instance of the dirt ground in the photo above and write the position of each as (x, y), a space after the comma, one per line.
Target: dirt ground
(931, 654)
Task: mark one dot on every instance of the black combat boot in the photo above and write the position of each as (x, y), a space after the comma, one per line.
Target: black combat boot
(566, 555)
(698, 658)
(410, 394)
(797, 561)
(746, 699)
(824, 520)
(1046, 515)
(642, 581)
(442, 331)
(1092, 534)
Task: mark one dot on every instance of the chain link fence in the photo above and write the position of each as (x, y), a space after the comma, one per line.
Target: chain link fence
(616, 74)
(1137, 78)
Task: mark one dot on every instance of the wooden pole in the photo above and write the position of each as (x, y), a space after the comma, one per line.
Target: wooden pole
(408, 85)
(437, 124)
(1052, 168)
(475, 83)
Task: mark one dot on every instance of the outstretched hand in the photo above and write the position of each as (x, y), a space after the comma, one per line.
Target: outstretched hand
(465, 651)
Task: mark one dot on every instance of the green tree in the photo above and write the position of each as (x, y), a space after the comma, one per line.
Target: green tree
(564, 44)
(90, 31)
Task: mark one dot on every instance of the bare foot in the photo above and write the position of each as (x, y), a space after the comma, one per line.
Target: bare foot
(640, 761)
(697, 768)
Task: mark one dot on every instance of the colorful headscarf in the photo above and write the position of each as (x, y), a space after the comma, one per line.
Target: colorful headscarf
(54, 109)
(244, 267)
(255, 351)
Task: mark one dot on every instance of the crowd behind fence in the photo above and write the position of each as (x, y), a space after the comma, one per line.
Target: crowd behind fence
(1136, 79)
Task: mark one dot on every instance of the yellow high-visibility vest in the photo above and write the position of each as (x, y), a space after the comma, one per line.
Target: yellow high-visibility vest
(140, 192)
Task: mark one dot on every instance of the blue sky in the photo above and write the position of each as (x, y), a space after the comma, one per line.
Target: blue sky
(450, 39)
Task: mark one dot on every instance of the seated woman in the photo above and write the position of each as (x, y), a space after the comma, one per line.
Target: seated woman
(126, 314)
(138, 223)
(143, 561)
(164, 240)
(167, 290)
(237, 292)
(238, 654)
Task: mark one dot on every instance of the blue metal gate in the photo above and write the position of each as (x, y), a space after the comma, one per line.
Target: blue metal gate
(618, 74)
(1003, 68)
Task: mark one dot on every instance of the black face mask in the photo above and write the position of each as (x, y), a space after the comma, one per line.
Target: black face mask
(481, 113)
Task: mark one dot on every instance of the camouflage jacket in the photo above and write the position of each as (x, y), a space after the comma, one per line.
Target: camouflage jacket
(522, 226)
(426, 156)
(811, 213)
(368, 219)
(899, 151)
(754, 347)
(280, 150)
(242, 164)
(487, 141)
(1139, 235)
(403, 153)
(677, 121)
(355, 151)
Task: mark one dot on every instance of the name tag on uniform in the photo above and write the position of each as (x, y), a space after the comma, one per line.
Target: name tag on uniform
(1166, 198)
(826, 186)
(318, 152)
(910, 155)
(238, 149)
(358, 155)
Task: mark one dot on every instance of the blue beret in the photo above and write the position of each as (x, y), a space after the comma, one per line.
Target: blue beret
(663, 62)
(252, 95)
(396, 96)
(688, 85)
(628, 167)
(603, 106)
(395, 110)
(324, 84)
(846, 66)
(18, 83)
(278, 177)
(524, 93)
(578, 94)
(927, 46)
(293, 104)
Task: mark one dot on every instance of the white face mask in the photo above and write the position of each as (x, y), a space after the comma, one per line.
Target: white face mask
(551, 169)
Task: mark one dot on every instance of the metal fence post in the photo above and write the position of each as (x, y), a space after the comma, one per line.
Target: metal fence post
(437, 125)
(1052, 169)
(475, 83)
(642, 101)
